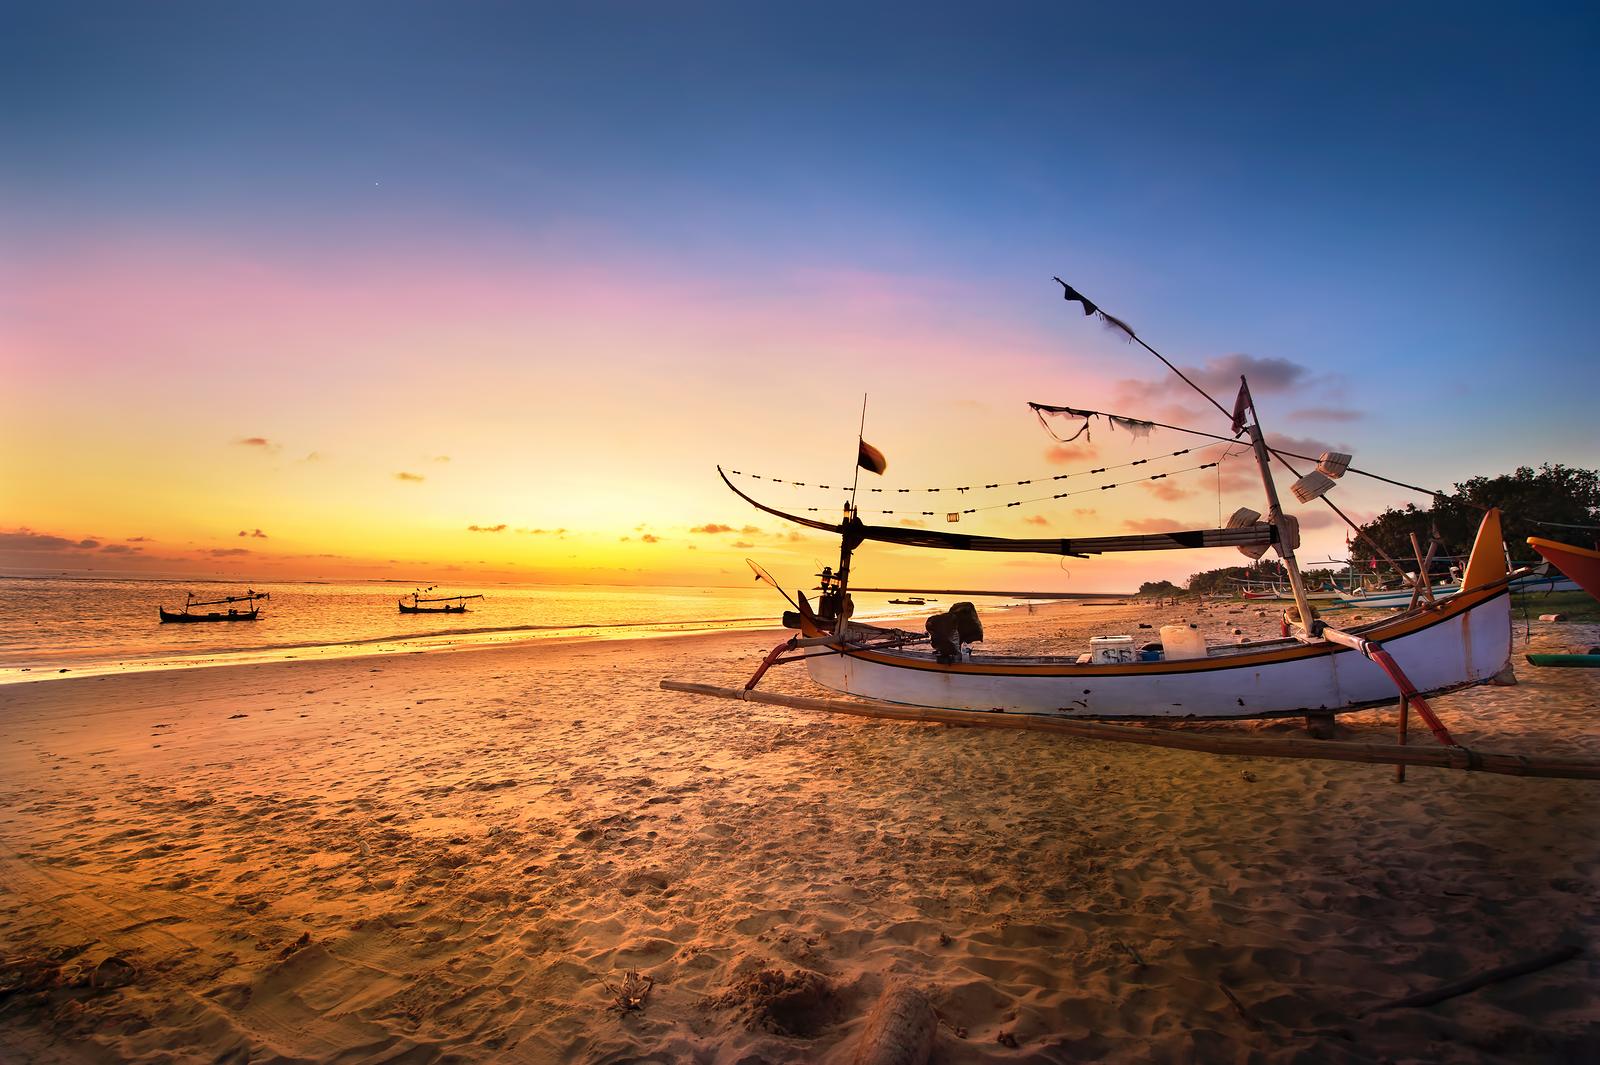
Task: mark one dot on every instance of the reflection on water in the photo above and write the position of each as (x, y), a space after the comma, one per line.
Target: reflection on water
(47, 625)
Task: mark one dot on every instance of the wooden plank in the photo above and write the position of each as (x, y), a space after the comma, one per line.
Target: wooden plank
(1207, 743)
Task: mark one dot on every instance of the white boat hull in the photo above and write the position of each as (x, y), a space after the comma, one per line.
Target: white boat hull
(1530, 585)
(1453, 645)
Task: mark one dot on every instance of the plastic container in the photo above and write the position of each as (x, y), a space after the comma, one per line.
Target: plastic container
(1111, 650)
(1182, 642)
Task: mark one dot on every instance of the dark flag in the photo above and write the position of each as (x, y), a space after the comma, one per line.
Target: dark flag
(1240, 406)
(871, 459)
(1069, 293)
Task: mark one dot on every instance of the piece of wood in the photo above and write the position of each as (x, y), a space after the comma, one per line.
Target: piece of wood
(1483, 979)
(1205, 742)
(900, 1028)
(1405, 721)
(1591, 660)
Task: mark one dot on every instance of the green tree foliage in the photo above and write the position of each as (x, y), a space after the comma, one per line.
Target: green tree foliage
(1213, 581)
(1554, 493)
(1269, 572)
(1159, 588)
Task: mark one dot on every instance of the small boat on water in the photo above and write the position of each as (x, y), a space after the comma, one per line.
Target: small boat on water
(909, 602)
(249, 612)
(441, 604)
(1579, 563)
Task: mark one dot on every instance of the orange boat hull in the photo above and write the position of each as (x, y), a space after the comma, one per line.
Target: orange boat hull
(1579, 563)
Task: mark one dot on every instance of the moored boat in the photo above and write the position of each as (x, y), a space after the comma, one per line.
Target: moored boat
(250, 612)
(1317, 669)
(1580, 564)
(442, 604)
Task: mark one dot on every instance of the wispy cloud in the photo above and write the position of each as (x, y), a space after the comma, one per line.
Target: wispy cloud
(228, 552)
(260, 443)
(487, 528)
(1327, 414)
(650, 538)
(1166, 490)
(257, 534)
(410, 477)
(1152, 525)
(712, 527)
(25, 539)
(1070, 454)
(1036, 519)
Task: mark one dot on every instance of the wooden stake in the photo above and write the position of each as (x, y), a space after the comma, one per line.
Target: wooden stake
(1405, 718)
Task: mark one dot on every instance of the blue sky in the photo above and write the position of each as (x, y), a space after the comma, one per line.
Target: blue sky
(1398, 197)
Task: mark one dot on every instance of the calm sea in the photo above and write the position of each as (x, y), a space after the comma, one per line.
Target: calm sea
(95, 625)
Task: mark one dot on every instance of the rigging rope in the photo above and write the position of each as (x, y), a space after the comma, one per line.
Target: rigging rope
(1043, 478)
(1035, 499)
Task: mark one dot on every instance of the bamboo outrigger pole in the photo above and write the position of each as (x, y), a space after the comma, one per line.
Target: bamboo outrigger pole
(1452, 757)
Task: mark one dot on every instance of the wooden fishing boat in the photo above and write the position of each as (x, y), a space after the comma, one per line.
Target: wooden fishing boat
(443, 604)
(250, 612)
(1317, 669)
(1579, 563)
(1440, 647)
(1534, 580)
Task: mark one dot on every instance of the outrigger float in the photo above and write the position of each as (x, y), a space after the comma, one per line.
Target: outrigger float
(1316, 669)
(250, 612)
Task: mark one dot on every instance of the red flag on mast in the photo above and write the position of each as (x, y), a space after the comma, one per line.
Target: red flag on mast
(1241, 406)
(871, 459)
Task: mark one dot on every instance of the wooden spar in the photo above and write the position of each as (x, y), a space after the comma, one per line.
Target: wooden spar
(1483, 979)
(1002, 595)
(1208, 743)
(229, 599)
(446, 598)
(1275, 515)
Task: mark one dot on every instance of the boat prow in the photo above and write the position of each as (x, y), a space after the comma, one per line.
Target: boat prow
(1579, 563)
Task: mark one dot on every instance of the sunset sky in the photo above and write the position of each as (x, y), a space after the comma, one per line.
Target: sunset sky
(313, 290)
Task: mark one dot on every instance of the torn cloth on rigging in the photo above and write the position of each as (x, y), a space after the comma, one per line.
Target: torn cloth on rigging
(1140, 430)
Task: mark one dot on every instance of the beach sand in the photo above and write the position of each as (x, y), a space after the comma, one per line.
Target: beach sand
(448, 856)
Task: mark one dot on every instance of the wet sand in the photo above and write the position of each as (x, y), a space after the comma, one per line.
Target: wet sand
(449, 856)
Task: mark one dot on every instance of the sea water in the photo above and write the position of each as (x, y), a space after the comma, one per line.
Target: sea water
(50, 625)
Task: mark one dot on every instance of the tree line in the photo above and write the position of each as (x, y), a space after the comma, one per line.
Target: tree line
(1563, 496)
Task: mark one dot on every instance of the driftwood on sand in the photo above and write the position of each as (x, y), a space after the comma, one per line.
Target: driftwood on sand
(1209, 743)
(1483, 979)
(900, 1028)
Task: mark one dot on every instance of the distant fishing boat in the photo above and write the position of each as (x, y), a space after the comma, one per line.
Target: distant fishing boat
(250, 612)
(1539, 580)
(1579, 563)
(441, 604)
(909, 602)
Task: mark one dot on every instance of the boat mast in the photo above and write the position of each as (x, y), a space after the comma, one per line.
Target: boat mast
(1275, 515)
(842, 622)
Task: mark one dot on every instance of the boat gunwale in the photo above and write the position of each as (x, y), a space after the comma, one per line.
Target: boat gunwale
(1277, 651)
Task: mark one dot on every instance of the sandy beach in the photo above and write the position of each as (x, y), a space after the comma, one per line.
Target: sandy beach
(449, 856)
